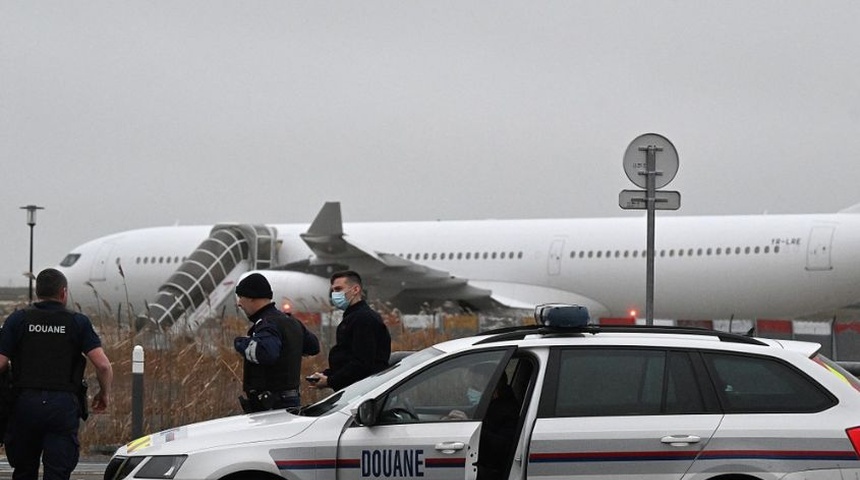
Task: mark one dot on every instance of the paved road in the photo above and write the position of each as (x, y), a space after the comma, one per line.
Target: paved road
(88, 469)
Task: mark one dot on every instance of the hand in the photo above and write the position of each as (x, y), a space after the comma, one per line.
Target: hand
(455, 415)
(100, 402)
(322, 382)
(240, 343)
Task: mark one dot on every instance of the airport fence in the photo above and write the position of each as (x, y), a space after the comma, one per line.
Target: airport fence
(192, 377)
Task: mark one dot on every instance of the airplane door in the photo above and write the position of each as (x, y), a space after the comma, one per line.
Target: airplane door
(554, 260)
(818, 252)
(98, 271)
(428, 426)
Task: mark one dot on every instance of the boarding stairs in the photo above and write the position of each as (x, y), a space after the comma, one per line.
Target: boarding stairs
(206, 279)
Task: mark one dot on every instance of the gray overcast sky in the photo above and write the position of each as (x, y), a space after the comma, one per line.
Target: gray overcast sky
(125, 114)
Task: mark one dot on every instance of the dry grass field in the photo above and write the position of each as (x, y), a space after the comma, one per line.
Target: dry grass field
(195, 379)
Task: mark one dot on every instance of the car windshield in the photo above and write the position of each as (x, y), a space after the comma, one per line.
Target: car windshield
(343, 397)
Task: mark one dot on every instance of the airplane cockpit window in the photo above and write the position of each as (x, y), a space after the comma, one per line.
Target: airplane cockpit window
(70, 259)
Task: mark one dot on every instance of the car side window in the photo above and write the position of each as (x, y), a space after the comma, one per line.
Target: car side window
(448, 391)
(752, 384)
(618, 381)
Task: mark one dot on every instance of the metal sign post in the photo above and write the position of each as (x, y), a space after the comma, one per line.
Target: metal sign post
(655, 172)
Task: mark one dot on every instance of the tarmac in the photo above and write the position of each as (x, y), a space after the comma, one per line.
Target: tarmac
(89, 468)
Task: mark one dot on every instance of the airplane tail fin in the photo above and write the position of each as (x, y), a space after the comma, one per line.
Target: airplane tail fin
(328, 221)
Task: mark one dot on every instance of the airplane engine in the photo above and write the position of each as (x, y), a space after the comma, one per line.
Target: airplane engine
(298, 292)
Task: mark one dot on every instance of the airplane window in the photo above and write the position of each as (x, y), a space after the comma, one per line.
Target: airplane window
(776, 249)
(590, 254)
(426, 256)
(672, 252)
(175, 259)
(442, 256)
(599, 254)
(690, 252)
(766, 249)
(747, 250)
(433, 256)
(70, 259)
(468, 255)
(738, 250)
(572, 254)
(459, 255)
(493, 256)
(626, 253)
(617, 254)
(581, 253)
(635, 253)
(137, 260)
(756, 250)
(160, 259)
(145, 260)
(608, 254)
(718, 251)
(520, 255)
(662, 253)
(502, 255)
(510, 254)
(486, 255)
(699, 252)
(681, 252)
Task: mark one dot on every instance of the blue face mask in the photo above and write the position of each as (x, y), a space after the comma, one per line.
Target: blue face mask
(473, 395)
(338, 299)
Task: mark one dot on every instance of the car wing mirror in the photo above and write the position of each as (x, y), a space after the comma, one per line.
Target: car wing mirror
(367, 413)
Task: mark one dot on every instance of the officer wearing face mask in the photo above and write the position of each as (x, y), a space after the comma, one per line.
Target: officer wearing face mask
(363, 343)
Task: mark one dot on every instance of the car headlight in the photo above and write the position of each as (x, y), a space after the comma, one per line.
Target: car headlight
(120, 467)
(161, 467)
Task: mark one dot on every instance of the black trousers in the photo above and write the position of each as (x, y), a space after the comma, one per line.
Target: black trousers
(44, 424)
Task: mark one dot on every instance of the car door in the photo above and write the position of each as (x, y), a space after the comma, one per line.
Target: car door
(428, 425)
(777, 419)
(620, 413)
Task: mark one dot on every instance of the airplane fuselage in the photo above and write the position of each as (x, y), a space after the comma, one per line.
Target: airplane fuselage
(774, 266)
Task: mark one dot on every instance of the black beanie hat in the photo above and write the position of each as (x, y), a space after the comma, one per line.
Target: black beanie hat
(254, 286)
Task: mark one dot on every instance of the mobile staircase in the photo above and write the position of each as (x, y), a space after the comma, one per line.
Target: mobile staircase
(202, 283)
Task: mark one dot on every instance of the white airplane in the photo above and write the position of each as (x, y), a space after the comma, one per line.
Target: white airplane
(715, 267)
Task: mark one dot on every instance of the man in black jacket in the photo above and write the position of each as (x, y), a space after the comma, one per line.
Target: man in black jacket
(272, 350)
(363, 344)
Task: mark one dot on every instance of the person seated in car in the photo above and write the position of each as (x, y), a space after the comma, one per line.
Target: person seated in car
(476, 382)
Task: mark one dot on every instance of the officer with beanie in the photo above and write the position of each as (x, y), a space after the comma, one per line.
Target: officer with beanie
(272, 351)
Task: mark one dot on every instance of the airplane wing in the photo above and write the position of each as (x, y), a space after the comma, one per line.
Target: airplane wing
(405, 283)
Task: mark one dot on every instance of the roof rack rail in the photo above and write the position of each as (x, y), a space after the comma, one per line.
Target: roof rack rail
(518, 333)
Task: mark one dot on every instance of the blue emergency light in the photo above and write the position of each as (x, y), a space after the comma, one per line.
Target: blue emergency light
(562, 315)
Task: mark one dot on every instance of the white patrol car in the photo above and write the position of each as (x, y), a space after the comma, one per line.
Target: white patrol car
(588, 401)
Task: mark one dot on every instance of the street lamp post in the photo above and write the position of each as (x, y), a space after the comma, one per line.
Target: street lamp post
(31, 221)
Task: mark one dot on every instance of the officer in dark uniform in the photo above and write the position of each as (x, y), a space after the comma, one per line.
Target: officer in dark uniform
(47, 346)
(272, 350)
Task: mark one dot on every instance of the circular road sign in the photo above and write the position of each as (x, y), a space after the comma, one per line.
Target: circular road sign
(665, 160)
